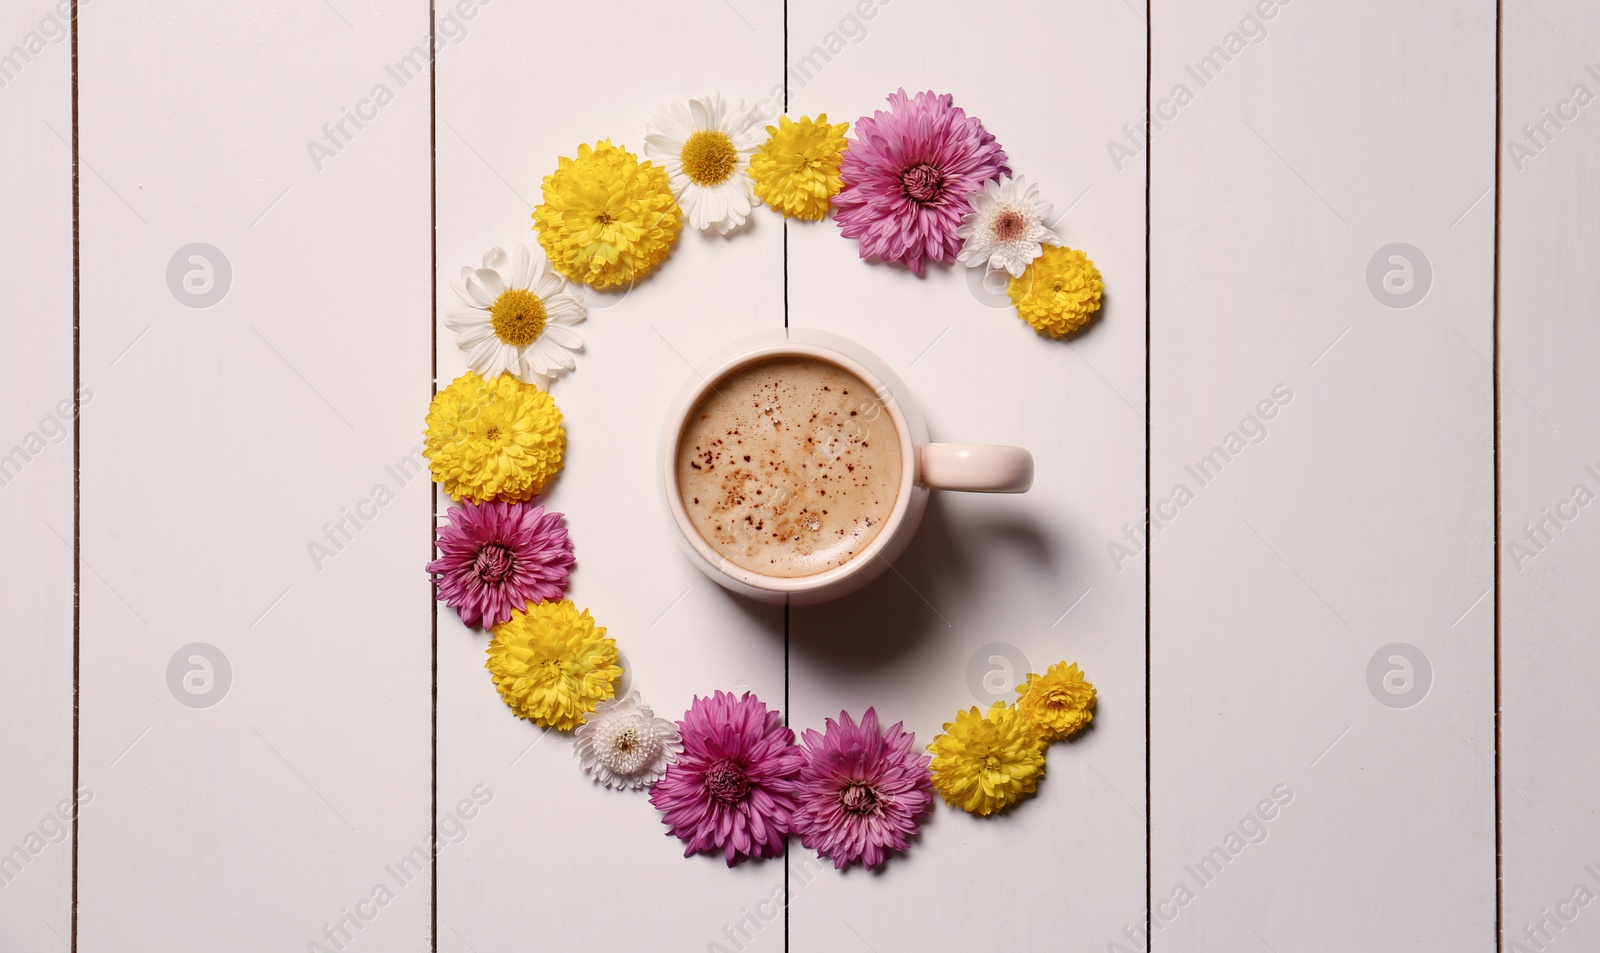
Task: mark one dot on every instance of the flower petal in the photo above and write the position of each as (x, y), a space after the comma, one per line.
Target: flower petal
(457, 318)
(563, 335)
(520, 274)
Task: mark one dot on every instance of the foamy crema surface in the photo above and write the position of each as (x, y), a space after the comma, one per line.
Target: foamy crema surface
(789, 467)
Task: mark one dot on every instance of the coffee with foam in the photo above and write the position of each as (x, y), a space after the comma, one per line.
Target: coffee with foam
(789, 466)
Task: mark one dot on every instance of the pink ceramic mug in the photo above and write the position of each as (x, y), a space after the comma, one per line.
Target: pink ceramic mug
(982, 468)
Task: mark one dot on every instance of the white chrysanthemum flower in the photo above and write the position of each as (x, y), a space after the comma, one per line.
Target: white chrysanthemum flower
(623, 744)
(705, 145)
(518, 316)
(1005, 228)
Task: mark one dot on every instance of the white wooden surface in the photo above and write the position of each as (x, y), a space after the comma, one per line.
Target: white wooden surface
(1548, 452)
(36, 491)
(993, 580)
(219, 443)
(510, 102)
(1359, 516)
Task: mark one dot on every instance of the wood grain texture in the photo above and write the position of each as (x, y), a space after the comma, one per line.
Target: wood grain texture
(36, 414)
(992, 586)
(1322, 595)
(516, 93)
(225, 445)
(1322, 470)
(1550, 453)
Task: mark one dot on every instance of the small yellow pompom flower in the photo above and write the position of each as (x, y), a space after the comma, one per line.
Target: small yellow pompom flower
(1059, 703)
(796, 171)
(552, 665)
(984, 763)
(493, 440)
(607, 218)
(1058, 291)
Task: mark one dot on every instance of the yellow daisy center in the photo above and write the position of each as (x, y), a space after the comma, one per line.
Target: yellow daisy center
(518, 316)
(709, 157)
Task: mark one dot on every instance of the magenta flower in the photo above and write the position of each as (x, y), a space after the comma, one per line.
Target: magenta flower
(733, 785)
(862, 792)
(907, 174)
(497, 557)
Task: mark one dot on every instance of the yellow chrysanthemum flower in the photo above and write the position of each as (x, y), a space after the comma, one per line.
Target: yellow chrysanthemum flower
(552, 665)
(984, 763)
(493, 440)
(796, 171)
(1058, 291)
(1059, 702)
(607, 218)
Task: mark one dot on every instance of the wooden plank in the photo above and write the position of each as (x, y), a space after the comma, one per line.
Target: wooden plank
(519, 91)
(1551, 77)
(255, 683)
(992, 586)
(256, 357)
(1322, 473)
(37, 805)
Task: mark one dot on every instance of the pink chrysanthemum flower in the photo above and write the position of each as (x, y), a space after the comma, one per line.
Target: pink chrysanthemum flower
(907, 173)
(733, 786)
(496, 557)
(862, 792)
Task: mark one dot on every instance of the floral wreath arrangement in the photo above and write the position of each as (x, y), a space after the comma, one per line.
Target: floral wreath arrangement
(923, 182)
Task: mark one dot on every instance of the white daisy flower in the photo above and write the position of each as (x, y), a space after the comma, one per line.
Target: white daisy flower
(705, 145)
(1005, 228)
(623, 744)
(518, 316)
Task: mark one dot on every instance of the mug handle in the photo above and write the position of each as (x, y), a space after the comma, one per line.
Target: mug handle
(976, 467)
